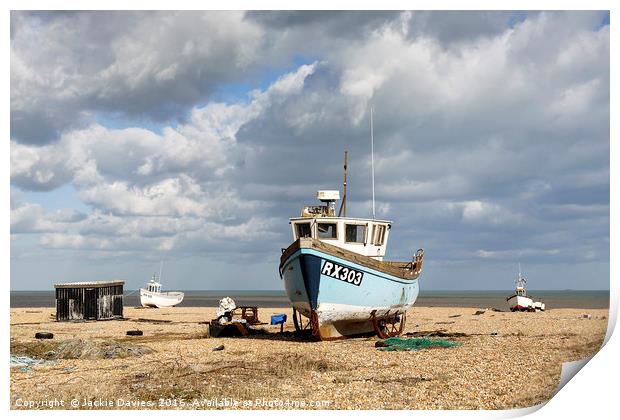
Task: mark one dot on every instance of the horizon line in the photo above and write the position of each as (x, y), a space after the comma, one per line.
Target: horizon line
(283, 291)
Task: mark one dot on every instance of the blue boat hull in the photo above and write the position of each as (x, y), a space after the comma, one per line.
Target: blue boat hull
(342, 294)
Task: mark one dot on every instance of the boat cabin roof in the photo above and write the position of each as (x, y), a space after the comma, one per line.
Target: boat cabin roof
(348, 219)
(153, 286)
(364, 236)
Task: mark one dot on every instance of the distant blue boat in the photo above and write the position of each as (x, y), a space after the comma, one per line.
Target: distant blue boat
(336, 279)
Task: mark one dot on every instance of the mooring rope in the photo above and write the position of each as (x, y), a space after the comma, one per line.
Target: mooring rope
(135, 291)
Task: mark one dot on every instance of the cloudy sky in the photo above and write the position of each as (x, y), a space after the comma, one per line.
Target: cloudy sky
(192, 137)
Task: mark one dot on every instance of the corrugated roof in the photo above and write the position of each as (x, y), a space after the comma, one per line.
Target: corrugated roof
(79, 284)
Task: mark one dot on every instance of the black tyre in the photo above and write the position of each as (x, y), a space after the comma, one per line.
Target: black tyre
(44, 335)
(135, 332)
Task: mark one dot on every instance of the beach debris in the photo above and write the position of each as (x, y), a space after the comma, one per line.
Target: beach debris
(25, 361)
(225, 310)
(278, 319)
(494, 333)
(413, 344)
(496, 310)
(479, 312)
(237, 328)
(437, 333)
(198, 368)
(78, 348)
(154, 321)
(249, 313)
(135, 333)
(218, 348)
(586, 316)
(454, 316)
(91, 349)
(44, 335)
(225, 325)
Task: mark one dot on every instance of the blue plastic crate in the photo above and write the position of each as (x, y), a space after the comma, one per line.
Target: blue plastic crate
(278, 319)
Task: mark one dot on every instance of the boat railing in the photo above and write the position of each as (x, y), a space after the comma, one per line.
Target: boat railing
(415, 265)
(407, 270)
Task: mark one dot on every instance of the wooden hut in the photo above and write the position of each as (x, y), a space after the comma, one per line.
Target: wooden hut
(89, 300)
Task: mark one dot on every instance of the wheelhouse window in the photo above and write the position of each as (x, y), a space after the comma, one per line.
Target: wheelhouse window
(378, 234)
(355, 233)
(327, 231)
(303, 230)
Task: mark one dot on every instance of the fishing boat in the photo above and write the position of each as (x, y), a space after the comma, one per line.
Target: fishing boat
(520, 301)
(337, 280)
(153, 297)
(335, 275)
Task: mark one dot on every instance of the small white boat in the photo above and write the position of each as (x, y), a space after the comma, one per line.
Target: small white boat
(153, 297)
(520, 301)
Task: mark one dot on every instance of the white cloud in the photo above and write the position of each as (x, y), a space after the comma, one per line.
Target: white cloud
(28, 217)
(517, 253)
(448, 186)
(165, 192)
(575, 99)
(137, 63)
(477, 211)
(485, 132)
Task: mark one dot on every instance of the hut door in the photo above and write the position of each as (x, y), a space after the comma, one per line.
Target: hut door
(90, 304)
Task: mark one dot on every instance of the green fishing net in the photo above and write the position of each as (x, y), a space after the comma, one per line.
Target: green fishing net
(407, 344)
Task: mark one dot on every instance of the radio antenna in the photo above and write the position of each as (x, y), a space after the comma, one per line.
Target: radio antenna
(372, 162)
(343, 205)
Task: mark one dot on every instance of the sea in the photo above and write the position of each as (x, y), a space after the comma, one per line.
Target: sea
(579, 299)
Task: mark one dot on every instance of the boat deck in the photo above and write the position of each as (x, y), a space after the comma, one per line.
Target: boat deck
(406, 270)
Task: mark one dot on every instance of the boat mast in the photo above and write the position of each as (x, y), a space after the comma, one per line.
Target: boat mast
(343, 205)
(372, 162)
(520, 282)
(161, 265)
